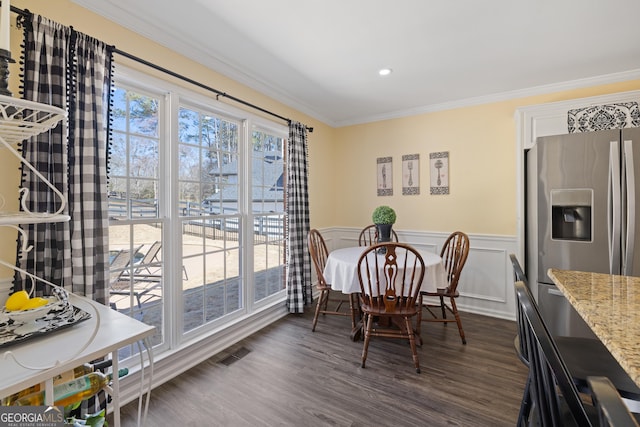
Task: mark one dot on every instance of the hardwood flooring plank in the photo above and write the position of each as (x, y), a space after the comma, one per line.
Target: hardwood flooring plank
(291, 376)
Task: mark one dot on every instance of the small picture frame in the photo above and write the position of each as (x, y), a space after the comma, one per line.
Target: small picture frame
(385, 176)
(439, 172)
(411, 174)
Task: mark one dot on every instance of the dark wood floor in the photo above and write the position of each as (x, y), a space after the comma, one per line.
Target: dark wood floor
(291, 376)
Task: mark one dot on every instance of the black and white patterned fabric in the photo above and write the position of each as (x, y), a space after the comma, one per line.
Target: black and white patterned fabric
(73, 71)
(88, 138)
(603, 117)
(298, 259)
(70, 70)
(46, 152)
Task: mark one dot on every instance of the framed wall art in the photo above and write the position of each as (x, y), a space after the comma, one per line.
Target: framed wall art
(385, 176)
(439, 172)
(411, 174)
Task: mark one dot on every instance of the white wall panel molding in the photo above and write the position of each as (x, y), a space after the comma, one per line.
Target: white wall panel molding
(483, 275)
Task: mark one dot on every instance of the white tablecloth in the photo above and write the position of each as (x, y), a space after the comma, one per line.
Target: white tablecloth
(341, 270)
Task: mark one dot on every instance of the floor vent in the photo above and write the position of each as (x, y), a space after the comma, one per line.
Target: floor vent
(235, 356)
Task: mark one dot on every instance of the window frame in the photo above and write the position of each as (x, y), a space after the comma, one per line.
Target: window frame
(174, 96)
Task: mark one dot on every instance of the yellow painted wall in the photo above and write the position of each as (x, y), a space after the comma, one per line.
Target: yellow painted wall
(481, 142)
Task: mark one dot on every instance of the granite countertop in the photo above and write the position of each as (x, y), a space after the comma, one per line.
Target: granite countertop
(610, 305)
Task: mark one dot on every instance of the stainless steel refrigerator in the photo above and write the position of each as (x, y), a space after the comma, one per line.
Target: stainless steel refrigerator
(582, 211)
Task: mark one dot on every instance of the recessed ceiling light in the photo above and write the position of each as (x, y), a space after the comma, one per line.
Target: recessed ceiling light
(385, 71)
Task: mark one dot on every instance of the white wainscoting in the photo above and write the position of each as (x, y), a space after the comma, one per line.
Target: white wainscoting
(486, 283)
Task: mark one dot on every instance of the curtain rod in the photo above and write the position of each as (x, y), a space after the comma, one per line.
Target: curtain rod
(181, 77)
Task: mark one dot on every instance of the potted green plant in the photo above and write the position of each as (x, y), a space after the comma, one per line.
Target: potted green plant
(384, 217)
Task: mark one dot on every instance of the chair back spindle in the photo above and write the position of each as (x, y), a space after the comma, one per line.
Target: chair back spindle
(369, 236)
(319, 254)
(454, 256)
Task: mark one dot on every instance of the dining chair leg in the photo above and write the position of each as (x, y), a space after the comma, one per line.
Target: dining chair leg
(443, 308)
(419, 320)
(321, 298)
(367, 336)
(412, 343)
(325, 301)
(352, 308)
(454, 308)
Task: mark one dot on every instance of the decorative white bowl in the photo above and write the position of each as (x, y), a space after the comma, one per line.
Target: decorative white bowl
(26, 316)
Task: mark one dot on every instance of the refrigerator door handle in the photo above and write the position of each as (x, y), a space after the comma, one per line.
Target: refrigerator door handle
(630, 191)
(614, 208)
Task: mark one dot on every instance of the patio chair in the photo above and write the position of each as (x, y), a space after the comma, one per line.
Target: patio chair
(122, 283)
(151, 260)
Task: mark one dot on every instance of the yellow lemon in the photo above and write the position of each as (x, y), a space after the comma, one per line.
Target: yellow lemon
(17, 300)
(35, 303)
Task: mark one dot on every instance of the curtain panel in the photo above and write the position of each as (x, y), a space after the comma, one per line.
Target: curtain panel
(69, 70)
(298, 260)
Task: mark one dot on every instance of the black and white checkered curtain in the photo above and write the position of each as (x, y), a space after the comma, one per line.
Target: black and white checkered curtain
(70, 70)
(298, 260)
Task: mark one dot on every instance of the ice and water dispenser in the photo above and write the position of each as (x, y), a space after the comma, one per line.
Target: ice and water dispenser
(571, 214)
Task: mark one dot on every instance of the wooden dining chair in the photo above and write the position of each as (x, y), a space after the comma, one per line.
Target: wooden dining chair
(555, 399)
(389, 288)
(600, 362)
(454, 255)
(319, 254)
(369, 236)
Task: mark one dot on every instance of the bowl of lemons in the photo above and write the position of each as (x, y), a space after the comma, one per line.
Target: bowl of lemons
(25, 310)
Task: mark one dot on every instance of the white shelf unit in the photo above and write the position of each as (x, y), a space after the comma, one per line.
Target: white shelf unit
(106, 331)
(19, 120)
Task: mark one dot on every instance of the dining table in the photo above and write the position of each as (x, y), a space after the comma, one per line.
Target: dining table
(341, 271)
(610, 305)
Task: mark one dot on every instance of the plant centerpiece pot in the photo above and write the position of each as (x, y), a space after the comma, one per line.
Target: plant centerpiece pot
(384, 217)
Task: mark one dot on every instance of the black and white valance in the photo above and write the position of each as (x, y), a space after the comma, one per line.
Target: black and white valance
(602, 117)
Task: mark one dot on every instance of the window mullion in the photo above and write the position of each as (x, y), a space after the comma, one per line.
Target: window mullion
(247, 214)
(173, 311)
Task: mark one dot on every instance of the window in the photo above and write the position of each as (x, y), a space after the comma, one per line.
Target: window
(196, 211)
(135, 228)
(208, 204)
(267, 205)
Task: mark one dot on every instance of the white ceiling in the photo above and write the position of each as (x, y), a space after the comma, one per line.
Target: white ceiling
(322, 56)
